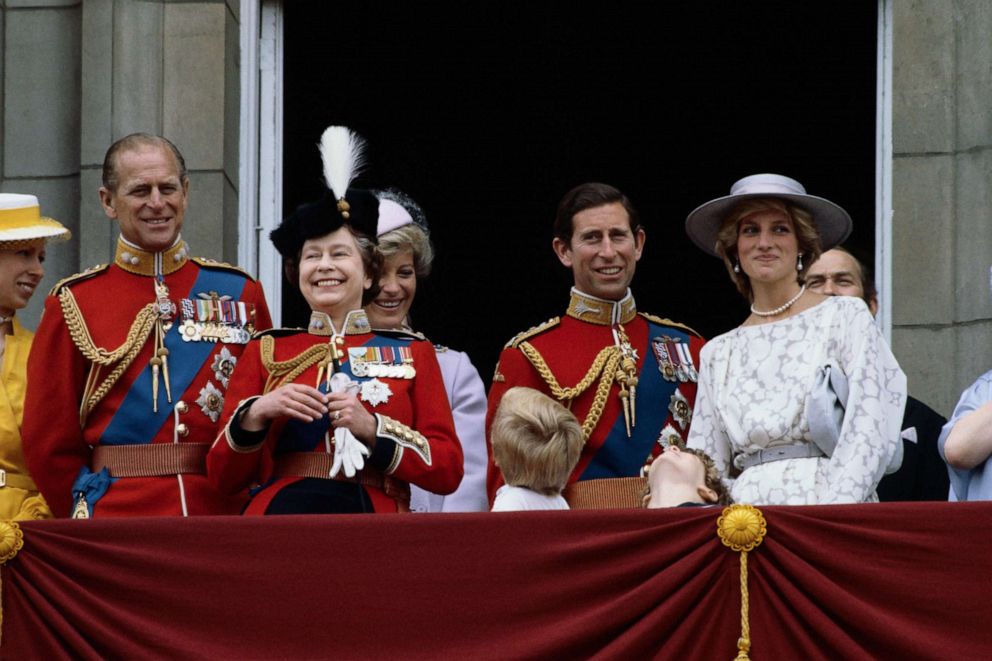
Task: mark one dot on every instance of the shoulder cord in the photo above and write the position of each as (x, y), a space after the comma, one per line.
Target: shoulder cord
(283, 371)
(605, 364)
(123, 355)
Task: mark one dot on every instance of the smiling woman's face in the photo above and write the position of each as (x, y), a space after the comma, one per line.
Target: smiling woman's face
(332, 275)
(20, 272)
(767, 246)
(397, 289)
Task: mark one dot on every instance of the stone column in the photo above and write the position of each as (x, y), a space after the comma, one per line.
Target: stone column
(942, 190)
(168, 68)
(39, 120)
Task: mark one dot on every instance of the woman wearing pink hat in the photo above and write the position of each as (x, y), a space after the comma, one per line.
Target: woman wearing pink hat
(802, 403)
(23, 234)
(406, 246)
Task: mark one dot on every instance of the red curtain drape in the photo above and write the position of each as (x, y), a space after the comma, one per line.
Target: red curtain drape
(907, 581)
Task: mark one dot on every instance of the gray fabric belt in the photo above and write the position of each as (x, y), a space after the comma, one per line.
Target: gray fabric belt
(804, 451)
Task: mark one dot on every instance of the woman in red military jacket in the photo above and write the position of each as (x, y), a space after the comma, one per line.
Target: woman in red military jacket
(335, 418)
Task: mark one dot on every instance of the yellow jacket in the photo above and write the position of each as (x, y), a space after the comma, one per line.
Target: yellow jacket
(19, 497)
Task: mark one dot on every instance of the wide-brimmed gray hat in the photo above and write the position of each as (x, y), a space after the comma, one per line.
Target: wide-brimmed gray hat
(703, 224)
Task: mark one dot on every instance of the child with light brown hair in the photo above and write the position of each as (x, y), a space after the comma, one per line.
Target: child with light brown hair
(684, 477)
(536, 443)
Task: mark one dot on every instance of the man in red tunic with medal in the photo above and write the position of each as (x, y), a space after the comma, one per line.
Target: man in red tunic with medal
(629, 377)
(133, 359)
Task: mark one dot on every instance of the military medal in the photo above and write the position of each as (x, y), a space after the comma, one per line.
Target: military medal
(675, 357)
(665, 365)
(385, 362)
(685, 356)
(214, 318)
(681, 411)
(165, 308)
(356, 357)
(211, 401)
(670, 436)
(223, 365)
(375, 392)
(82, 508)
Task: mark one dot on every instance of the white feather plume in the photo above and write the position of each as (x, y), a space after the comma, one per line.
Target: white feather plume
(343, 153)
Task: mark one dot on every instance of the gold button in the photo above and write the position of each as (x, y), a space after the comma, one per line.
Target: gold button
(182, 429)
(181, 407)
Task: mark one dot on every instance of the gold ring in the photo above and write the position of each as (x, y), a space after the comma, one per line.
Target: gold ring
(337, 415)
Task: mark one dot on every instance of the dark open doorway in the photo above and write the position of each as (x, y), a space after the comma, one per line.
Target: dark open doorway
(488, 112)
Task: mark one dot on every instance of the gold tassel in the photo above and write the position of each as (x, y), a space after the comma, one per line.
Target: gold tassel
(164, 354)
(11, 541)
(742, 528)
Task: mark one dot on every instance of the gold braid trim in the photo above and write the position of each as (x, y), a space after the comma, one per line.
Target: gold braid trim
(604, 368)
(602, 392)
(123, 355)
(562, 393)
(282, 371)
(141, 328)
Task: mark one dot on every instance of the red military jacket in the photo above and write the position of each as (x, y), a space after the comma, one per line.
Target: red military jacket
(415, 437)
(562, 353)
(91, 380)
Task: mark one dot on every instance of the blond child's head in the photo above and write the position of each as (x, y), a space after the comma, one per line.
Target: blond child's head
(536, 441)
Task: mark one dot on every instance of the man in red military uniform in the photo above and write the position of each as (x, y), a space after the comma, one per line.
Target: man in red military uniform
(629, 377)
(132, 359)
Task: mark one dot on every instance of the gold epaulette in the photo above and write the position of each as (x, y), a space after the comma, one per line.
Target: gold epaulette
(88, 273)
(531, 332)
(399, 333)
(440, 348)
(214, 264)
(668, 322)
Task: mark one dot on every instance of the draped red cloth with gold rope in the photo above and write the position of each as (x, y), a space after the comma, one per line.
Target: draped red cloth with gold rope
(907, 581)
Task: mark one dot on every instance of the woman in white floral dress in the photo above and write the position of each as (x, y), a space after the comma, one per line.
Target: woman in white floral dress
(757, 381)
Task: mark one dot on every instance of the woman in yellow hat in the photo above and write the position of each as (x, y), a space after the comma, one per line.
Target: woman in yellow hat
(23, 235)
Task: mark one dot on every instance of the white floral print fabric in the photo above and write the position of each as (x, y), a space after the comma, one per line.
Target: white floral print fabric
(753, 389)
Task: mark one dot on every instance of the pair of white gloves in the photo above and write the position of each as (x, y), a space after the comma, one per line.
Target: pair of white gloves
(349, 452)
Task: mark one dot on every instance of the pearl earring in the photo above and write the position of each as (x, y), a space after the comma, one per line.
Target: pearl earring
(799, 266)
(737, 267)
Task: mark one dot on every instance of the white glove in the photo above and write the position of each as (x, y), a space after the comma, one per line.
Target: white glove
(349, 452)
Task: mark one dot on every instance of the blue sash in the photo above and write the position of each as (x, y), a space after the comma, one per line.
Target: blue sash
(620, 456)
(134, 422)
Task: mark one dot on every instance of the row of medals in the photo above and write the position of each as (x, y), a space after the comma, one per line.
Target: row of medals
(197, 331)
(362, 367)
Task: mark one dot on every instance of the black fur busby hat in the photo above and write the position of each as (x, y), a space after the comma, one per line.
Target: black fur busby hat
(343, 155)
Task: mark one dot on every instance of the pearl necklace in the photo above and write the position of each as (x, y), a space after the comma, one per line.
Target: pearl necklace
(782, 308)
